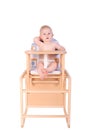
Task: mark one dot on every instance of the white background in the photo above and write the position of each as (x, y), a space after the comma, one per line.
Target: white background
(20, 21)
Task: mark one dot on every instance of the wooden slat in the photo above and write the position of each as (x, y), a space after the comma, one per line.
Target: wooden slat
(45, 82)
(44, 52)
(49, 76)
(36, 91)
(45, 116)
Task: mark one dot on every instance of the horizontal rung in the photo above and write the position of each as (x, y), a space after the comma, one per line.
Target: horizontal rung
(45, 82)
(44, 116)
(34, 91)
(49, 76)
(44, 52)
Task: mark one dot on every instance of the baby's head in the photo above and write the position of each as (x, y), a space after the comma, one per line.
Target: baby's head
(46, 33)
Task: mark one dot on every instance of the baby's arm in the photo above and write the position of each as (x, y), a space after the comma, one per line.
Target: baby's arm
(38, 42)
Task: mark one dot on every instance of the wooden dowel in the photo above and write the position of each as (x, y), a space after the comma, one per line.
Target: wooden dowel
(45, 116)
(44, 91)
(44, 52)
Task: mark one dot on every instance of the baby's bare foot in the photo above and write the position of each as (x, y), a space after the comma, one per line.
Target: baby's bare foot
(43, 74)
(42, 77)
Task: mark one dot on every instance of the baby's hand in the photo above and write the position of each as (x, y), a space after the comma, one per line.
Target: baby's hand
(62, 48)
(36, 39)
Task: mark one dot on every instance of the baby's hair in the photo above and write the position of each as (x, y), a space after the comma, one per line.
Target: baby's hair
(45, 26)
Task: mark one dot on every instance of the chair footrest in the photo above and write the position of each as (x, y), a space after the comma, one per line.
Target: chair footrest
(45, 82)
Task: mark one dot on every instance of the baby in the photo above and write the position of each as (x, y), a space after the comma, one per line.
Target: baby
(45, 42)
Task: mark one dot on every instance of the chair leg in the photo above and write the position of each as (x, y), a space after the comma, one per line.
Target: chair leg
(21, 99)
(22, 122)
(68, 122)
(69, 99)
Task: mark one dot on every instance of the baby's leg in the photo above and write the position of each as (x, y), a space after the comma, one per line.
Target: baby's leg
(41, 71)
(52, 66)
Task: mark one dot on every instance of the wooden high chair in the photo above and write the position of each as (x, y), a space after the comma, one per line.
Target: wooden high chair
(52, 92)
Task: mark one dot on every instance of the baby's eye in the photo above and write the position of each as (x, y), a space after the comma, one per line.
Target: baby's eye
(44, 34)
(48, 33)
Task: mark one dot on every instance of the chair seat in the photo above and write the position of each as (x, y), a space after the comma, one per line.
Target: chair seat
(34, 72)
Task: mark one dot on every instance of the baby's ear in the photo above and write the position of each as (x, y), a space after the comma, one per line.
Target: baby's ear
(52, 34)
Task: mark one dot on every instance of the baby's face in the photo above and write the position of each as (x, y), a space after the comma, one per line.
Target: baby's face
(46, 35)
